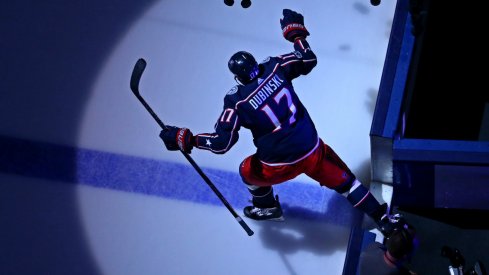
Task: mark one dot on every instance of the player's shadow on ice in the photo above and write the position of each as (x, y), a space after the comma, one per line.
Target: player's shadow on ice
(306, 230)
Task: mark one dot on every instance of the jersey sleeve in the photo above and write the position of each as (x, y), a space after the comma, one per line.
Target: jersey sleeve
(225, 134)
(299, 62)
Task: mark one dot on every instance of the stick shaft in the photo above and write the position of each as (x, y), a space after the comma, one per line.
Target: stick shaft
(135, 78)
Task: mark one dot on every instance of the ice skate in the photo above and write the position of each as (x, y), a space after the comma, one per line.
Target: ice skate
(261, 214)
(389, 223)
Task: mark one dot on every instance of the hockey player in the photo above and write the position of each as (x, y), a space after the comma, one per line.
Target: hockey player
(287, 143)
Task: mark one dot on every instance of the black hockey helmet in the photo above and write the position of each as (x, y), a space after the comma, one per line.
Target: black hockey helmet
(244, 66)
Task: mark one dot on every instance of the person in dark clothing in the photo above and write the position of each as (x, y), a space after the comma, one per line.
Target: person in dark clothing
(286, 139)
(390, 257)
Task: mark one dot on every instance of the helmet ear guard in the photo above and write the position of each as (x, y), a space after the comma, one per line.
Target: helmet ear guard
(244, 67)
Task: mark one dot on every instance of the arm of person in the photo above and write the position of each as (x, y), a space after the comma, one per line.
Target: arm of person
(225, 135)
(303, 59)
(219, 142)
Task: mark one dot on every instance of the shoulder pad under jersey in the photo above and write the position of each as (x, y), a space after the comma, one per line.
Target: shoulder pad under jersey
(266, 60)
(233, 90)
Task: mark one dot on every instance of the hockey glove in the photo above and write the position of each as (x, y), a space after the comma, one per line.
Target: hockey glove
(293, 25)
(177, 139)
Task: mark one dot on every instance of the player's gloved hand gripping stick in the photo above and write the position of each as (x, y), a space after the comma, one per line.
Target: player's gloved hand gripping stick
(135, 78)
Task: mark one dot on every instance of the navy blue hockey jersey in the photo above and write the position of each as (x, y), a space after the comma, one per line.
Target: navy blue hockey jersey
(282, 129)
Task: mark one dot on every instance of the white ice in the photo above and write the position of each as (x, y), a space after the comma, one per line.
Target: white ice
(187, 45)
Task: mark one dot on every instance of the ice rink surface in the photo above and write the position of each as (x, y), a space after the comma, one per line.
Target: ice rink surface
(101, 195)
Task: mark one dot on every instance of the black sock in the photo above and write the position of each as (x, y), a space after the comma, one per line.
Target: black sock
(263, 197)
(362, 199)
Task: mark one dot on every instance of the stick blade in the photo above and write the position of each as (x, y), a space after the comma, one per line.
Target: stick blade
(137, 72)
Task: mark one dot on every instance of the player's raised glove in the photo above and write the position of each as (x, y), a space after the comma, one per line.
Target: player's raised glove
(293, 25)
(177, 139)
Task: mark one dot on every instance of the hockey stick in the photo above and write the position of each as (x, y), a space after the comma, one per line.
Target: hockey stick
(135, 78)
